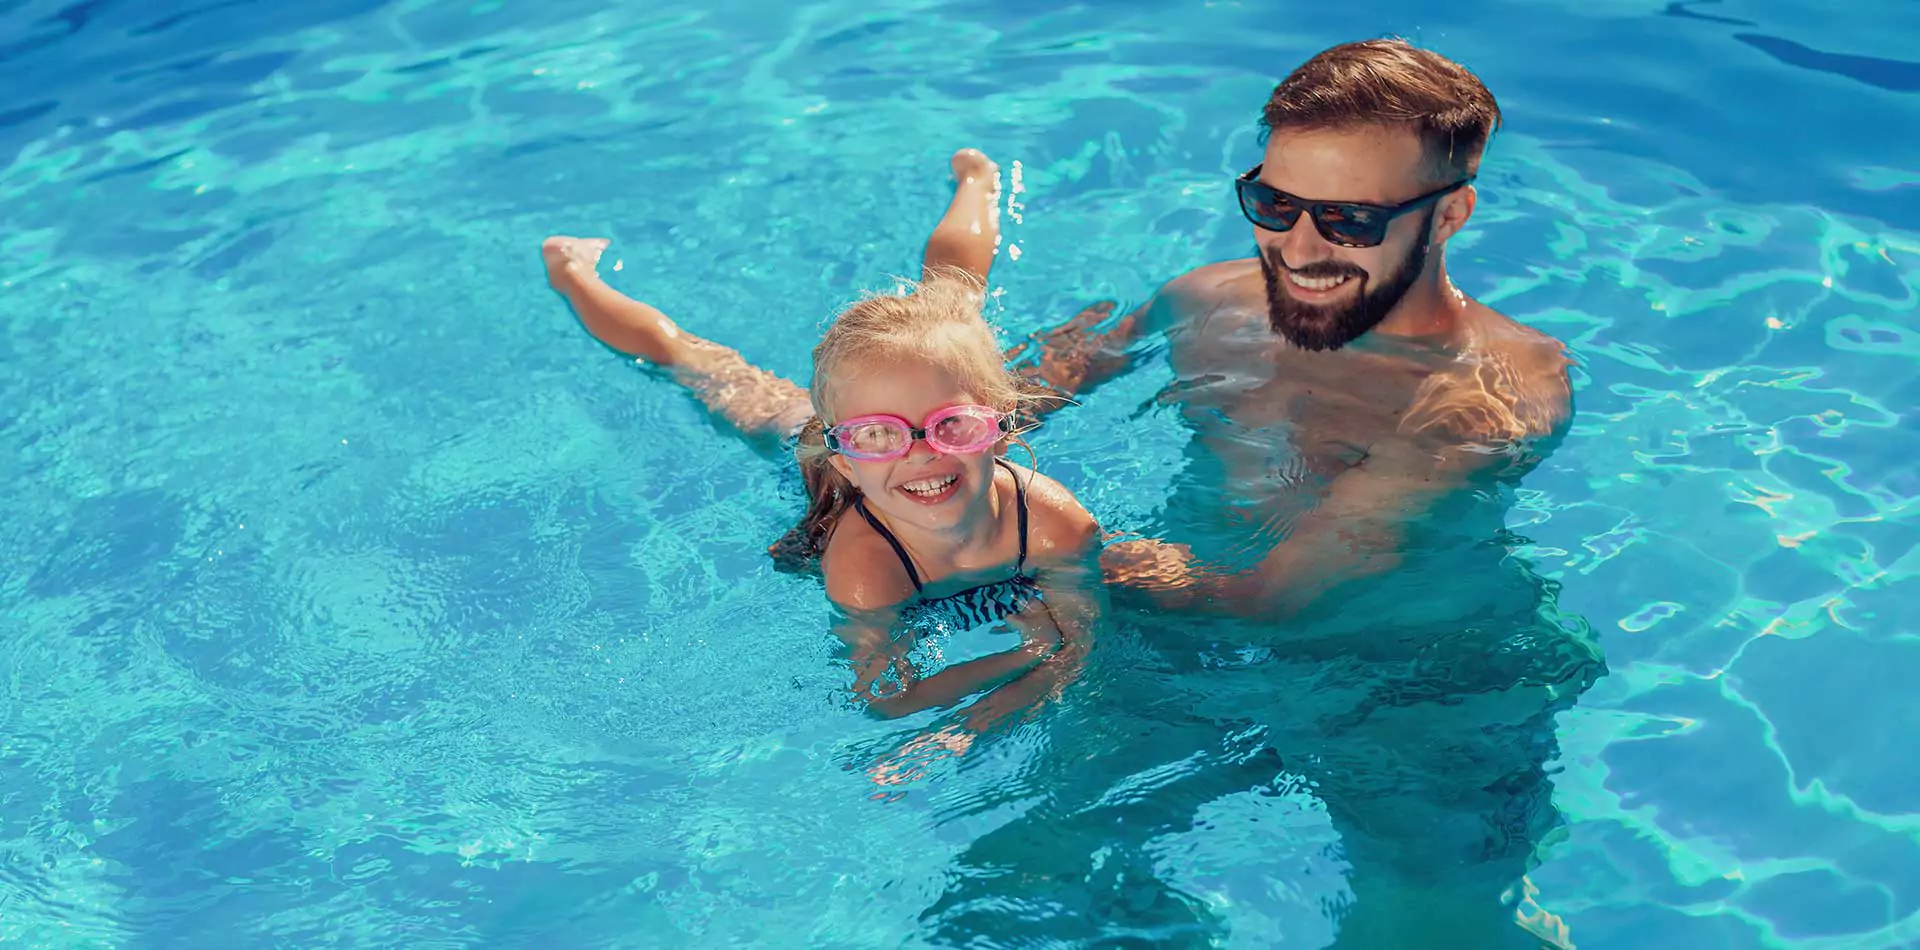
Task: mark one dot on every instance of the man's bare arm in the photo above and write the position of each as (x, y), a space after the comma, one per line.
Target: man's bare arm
(1076, 357)
(1492, 421)
(1459, 436)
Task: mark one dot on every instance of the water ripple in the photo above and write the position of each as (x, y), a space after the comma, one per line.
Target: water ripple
(353, 594)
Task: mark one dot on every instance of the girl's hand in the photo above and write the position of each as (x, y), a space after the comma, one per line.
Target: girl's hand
(567, 258)
(1040, 640)
(912, 760)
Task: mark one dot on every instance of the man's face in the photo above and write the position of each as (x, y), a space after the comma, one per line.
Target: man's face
(1320, 295)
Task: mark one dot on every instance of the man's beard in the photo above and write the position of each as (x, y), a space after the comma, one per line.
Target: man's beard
(1332, 326)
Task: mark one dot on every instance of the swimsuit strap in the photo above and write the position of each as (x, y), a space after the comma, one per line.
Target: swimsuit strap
(1020, 495)
(860, 503)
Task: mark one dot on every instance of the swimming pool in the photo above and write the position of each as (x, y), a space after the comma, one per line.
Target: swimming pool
(355, 597)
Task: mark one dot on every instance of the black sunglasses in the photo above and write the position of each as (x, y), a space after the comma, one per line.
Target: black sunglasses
(1346, 223)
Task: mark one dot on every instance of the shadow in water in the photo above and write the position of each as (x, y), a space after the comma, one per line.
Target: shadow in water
(1897, 75)
(1418, 708)
(1685, 11)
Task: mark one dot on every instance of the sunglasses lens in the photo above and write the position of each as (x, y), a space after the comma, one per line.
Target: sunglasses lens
(1352, 225)
(1266, 207)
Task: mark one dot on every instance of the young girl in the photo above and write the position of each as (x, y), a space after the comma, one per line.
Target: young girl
(917, 521)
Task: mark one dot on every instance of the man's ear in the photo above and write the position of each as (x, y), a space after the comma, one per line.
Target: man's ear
(1452, 214)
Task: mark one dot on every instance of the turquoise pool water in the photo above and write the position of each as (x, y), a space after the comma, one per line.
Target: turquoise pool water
(353, 597)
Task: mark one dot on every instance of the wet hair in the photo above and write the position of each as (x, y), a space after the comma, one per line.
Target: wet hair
(937, 321)
(1389, 82)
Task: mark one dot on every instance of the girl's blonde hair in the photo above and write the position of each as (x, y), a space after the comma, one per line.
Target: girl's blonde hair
(937, 321)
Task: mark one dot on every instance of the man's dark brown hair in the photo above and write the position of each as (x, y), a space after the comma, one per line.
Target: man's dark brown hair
(1390, 82)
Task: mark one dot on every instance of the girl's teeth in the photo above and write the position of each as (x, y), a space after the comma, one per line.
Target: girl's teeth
(930, 485)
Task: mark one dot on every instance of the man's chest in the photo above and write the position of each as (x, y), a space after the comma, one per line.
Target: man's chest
(1256, 400)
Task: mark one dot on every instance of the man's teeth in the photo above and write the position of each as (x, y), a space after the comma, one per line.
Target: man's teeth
(930, 486)
(1317, 283)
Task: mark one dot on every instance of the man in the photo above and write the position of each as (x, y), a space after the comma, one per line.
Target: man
(1355, 418)
(1343, 337)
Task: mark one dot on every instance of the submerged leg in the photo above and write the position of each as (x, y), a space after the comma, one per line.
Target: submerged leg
(1079, 868)
(1430, 748)
(761, 406)
(1440, 826)
(968, 235)
(1440, 785)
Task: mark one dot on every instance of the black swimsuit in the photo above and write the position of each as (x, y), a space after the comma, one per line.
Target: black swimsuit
(975, 605)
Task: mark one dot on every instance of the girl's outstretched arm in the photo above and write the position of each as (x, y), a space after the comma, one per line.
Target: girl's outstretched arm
(759, 405)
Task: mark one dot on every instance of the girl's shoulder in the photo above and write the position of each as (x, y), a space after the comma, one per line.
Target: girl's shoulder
(1058, 526)
(860, 569)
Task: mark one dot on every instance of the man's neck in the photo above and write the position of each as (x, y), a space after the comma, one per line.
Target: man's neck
(1433, 311)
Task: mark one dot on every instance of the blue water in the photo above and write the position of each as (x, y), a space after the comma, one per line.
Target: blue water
(353, 597)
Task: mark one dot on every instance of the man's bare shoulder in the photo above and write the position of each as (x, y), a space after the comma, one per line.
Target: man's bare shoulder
(1536, 352)
(1208, 286)
(1539, 371)
(1510, 387)
(1193, 301)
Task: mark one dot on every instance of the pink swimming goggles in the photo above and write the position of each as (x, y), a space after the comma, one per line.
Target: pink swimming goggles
(955, 430)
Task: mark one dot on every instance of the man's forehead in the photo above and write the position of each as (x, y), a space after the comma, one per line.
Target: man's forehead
(1379, 164)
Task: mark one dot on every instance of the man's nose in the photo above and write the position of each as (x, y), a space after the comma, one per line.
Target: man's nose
(1302, 244)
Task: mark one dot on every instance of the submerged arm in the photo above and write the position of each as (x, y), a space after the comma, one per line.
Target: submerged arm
(1495, 420)
(1073, 599)
(889, 685)
(1358, 529)
(1355, 531)
(1077, 356)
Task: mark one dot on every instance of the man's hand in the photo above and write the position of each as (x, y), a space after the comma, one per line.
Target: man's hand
(1075, 352)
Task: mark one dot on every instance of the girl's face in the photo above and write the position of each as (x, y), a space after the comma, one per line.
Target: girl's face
(925, 488)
